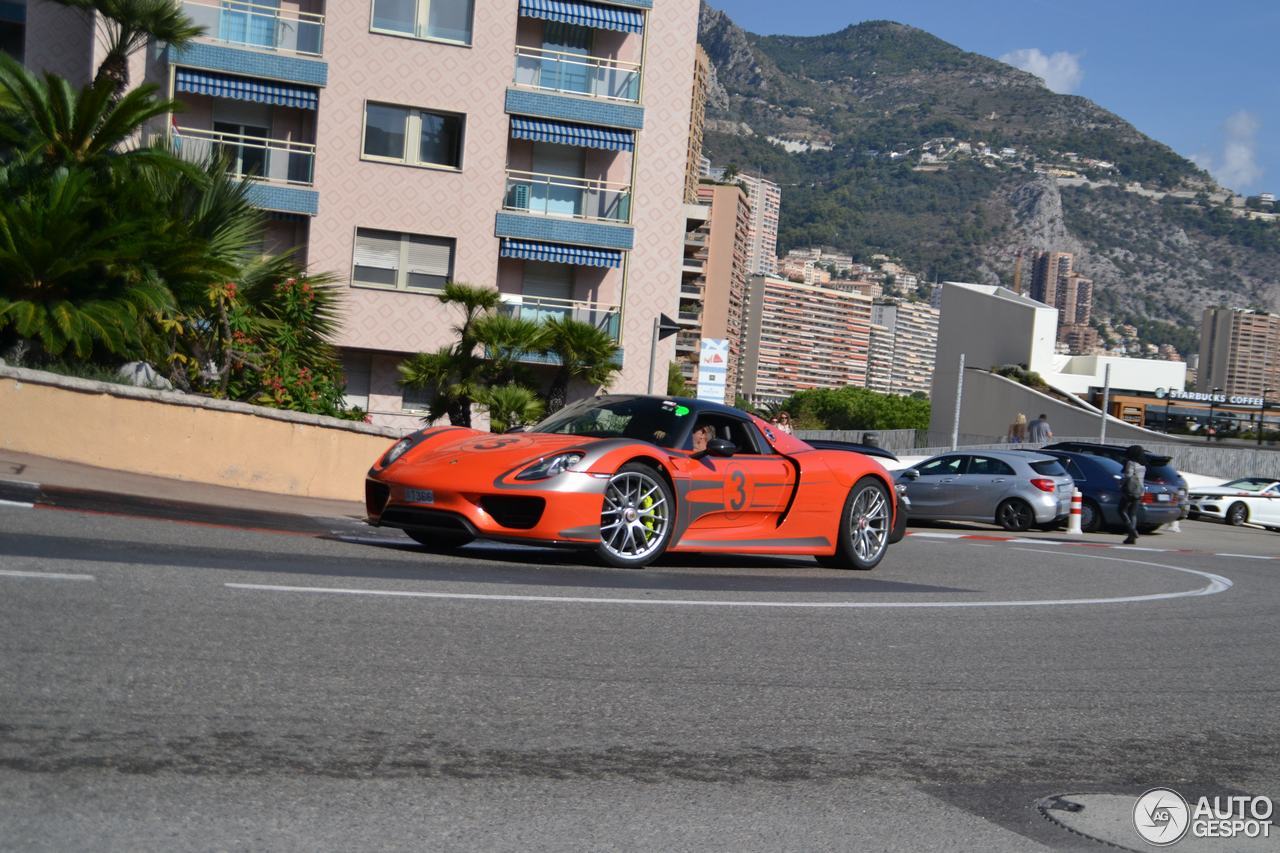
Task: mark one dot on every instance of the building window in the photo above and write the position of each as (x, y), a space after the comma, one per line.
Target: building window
(433, 139)
(443, 20)
(415, 399)
(357, 367)
(401, 261)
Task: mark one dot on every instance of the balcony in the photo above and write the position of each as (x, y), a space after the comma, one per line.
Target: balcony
(690, 291)
(247, 24)
(566, 197)
(542, 308)
(277, 161)
(576, 74)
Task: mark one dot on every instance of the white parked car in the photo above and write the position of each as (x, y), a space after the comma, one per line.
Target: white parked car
(1249, 500)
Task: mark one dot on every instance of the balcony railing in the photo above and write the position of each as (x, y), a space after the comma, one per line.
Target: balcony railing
(264, 27)
(573, 198)
(576, 74)
(276, 160)
(603, 316)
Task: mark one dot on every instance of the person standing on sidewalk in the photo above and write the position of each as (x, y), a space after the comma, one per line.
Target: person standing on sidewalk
(1039, 431)
(1132, 484)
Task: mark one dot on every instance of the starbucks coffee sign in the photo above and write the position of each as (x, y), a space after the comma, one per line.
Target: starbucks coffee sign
(1202, 397)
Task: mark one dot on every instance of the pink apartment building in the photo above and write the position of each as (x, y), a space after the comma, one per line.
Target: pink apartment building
(537, 146)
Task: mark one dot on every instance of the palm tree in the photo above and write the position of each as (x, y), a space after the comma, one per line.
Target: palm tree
(449, 376)
(511, 406)
(584, 351)
(506, 339)
(128, 24)
(475, 302)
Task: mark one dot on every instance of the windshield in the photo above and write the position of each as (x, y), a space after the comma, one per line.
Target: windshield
(655, 420)
(1249, 484)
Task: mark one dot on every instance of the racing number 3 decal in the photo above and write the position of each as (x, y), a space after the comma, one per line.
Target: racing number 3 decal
(737, 492)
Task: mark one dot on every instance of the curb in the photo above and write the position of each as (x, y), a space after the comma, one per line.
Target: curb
(110, 503)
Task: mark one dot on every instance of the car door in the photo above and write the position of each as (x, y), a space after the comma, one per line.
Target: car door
(934, 493)
(985, 482)
(1267, 506)
(744, 493)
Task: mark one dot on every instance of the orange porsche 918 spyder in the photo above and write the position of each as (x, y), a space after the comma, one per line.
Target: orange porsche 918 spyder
(635, 476)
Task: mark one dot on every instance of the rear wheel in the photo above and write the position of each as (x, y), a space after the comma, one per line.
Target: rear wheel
(1015, 515)
(1090, 517)
(439, 540)
(865, 524)
(635, 523)
(1148, 529)
(1237, 514)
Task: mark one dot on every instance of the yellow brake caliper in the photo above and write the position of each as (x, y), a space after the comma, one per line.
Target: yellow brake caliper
(647, 503)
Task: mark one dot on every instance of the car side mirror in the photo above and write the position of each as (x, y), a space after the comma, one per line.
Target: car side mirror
(911, 474)
(722, 447)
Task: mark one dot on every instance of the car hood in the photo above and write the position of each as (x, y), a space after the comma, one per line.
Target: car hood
(480, 454)
(1219, 490)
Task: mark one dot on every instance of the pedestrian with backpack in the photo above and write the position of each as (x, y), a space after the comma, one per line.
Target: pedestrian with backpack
(1132, 485)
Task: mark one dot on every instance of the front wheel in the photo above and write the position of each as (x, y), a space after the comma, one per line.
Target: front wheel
(636, 520)
(1015, 515)
(1237, 514)
(865, 524)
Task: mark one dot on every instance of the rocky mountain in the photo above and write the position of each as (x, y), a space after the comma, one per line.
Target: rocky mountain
(887, 139)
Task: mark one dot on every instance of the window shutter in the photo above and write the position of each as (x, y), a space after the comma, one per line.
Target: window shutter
(429, 256)
(377, 249)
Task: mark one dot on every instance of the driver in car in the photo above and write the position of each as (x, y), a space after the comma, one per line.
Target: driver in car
(702, 435)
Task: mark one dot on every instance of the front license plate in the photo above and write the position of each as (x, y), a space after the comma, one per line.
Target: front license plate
(1164, 499)
(420, 496)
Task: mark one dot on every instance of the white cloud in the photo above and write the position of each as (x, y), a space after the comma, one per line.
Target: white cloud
(1237, 166)
(1060, 71)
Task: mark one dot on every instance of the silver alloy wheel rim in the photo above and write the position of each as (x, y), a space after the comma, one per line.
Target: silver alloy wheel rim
(869, 523)
(1237, 515)
(635, 517)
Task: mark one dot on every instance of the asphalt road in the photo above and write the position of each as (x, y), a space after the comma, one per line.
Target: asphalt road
(169, 686)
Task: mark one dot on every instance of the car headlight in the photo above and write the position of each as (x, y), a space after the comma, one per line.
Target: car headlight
(551, 466)
(397, 450)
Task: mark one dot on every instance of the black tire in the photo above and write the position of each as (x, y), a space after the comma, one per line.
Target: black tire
(866, 521)
(637, 503)
(1148, 529)
(1090, 517)
(1015, 515)
(439, 540)
(1237, 514)
(1193, 516)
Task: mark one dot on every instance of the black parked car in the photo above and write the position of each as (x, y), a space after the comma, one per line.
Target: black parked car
(1160, 470)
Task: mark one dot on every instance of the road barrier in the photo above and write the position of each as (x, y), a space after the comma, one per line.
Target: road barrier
(1077, 510)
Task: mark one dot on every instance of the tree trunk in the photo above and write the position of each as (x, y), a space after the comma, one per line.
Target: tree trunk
(460, 412)
(559, 393)
(115, 71)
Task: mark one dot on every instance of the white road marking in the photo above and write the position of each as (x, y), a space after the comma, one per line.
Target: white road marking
(929, 535)
(52, 576)
(22, 504)
(1216, 584)
(1246, 556)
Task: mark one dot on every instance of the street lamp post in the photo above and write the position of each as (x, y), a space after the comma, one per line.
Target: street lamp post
(1166, 411)
(1262, 413)
(1213, 401)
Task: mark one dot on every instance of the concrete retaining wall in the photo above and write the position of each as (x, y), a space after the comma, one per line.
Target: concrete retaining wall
(185, 437)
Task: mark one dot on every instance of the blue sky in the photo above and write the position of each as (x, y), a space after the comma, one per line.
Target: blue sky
(1198, 76)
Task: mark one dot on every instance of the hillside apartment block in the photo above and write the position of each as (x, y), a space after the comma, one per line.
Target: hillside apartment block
(535, 146)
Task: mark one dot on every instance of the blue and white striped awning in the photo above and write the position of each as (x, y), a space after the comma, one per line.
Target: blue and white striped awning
(243, 89)
(584, 14)
(558, 253)
(563, 133)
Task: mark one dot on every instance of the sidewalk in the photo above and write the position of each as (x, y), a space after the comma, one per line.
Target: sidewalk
(51, 482)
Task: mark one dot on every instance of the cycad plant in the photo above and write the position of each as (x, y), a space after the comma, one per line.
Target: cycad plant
(511, 406)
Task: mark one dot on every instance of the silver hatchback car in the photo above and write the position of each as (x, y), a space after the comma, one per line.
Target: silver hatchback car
(1012, 488)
